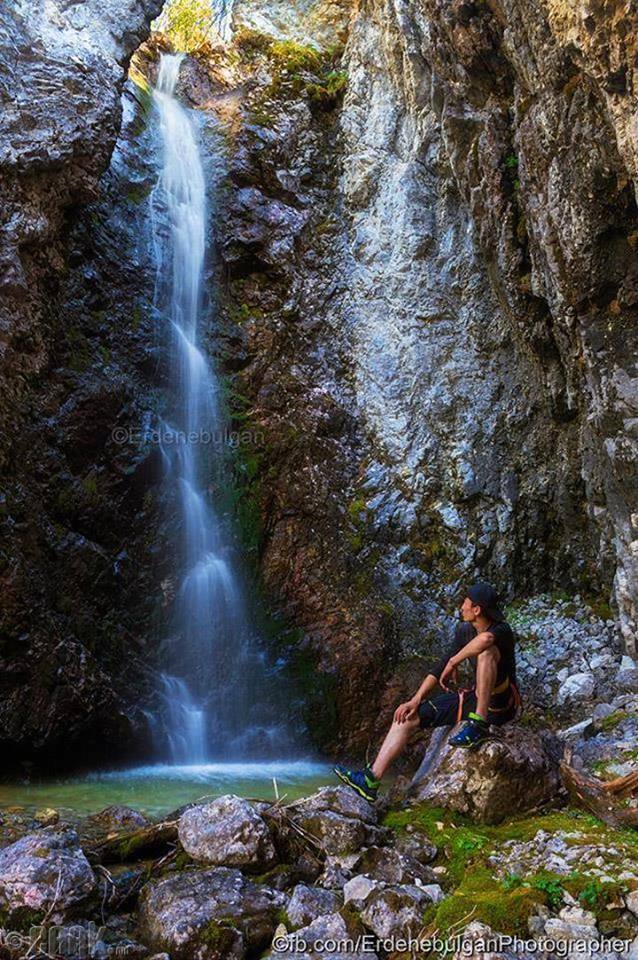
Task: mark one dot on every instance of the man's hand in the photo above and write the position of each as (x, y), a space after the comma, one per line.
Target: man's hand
(448, 675)
(406, 711)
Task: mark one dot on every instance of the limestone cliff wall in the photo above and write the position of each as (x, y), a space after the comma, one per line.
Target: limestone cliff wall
(474, 317)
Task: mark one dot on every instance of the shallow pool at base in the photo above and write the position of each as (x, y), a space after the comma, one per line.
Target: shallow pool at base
(157, 789)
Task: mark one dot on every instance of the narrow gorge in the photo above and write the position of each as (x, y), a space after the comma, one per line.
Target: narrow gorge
(313, 313)
(420, 284)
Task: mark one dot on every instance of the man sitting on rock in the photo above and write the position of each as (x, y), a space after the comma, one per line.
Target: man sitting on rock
(488, 641)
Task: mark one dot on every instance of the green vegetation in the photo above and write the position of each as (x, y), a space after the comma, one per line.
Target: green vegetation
(297, 68)
(188, 24)
(220, 935)
(79, 350)
(293, 57)
(480, 897)
(505, 904)
(357, 513)
(613, 720)
(138, 192)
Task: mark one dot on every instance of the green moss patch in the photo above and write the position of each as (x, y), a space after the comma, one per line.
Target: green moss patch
(475, 893)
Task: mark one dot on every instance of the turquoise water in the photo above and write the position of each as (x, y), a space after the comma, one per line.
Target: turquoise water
(158, 789)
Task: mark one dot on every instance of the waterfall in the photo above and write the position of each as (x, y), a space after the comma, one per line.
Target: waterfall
(217, 695)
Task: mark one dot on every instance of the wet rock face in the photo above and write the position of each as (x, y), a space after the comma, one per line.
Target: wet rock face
(77, 363)
(441, 364)
(61, 112)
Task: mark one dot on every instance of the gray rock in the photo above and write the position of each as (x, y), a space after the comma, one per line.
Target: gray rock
(391, 866)
(579, 686)
(514, 772)
(42, 872)
(602, 710)
(117, 818)
(307, 903)
(205, 914)
(396, 910)
(339, 819)
(416, 845)
(359, 887)
(631, 900)
(341, 800)
(562, 854)
(475, 935)
(228, 831)
(572, 923)
(331, 927)
(627, 680)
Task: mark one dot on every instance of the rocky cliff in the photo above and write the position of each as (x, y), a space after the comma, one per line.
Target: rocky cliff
(426, 250)
(463, 306)
(71, 524)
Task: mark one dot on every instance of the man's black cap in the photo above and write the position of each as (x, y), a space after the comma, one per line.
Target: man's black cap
(486, 597)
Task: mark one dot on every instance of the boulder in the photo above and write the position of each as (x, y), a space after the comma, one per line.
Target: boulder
(44, 873)
(417, 845)
(340, 820)
(473, 939)
(321, 939)
(307, 903)
(515, 771)
(579, 686)
(391, 866)
(397, 910)
(229, 832)
(627, 680)
(207, 914)
(631, 901)
(572, 923)
(117, 818)
(359, 887)
(337, 870)
(341, 800)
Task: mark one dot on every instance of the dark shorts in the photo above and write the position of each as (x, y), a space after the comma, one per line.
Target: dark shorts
(446, 709)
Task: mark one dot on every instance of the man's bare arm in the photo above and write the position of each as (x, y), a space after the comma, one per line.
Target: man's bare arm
(478, 644)
(407, 710)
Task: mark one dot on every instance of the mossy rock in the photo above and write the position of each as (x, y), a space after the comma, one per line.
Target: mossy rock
(488, 901)
(505, 905)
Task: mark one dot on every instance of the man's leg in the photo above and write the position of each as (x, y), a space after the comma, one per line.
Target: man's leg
(438, 711)
(486, 670)
(475, 728)
(395, 742)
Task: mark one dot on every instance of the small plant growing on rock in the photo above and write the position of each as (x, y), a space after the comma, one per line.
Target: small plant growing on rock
(512, 881)
(552, 888)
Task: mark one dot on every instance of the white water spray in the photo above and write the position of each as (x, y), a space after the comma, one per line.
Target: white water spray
(217, 699)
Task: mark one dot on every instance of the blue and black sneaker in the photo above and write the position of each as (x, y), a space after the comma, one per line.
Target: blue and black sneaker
(472, 732)
(363, 781)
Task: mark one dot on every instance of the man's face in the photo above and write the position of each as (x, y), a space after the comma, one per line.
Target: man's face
(469, 611)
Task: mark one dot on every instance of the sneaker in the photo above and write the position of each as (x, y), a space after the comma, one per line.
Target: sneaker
(363, 781)
(471, 733)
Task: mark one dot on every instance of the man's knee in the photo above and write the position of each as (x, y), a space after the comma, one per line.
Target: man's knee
(407, 726)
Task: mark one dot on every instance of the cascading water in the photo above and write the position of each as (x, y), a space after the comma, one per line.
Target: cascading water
(217, 694)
